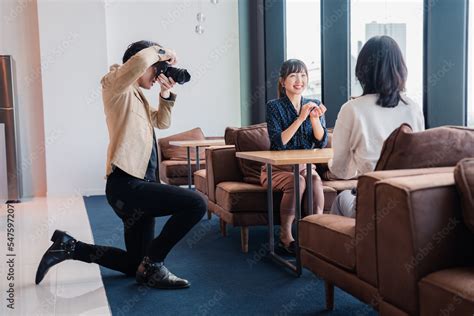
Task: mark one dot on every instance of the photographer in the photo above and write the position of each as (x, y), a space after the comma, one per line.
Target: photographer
(132, 188)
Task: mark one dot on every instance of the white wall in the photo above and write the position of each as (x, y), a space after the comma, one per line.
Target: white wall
(212, 99)
(3, 166)
(74, 46)
(80, 39)
(19, 37)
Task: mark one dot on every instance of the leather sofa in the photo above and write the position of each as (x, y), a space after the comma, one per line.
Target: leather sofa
(408, 251)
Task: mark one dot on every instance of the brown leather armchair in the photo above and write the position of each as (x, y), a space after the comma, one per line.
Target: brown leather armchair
(233, 200)
(425, 253)
(172, 160)
(378, 256)
(343, 250)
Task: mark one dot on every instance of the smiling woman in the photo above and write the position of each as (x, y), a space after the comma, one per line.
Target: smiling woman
(294, 122)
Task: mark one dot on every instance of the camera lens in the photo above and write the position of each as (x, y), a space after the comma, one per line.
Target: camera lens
(180, 76)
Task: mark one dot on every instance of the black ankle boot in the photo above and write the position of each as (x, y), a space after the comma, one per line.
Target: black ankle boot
(62, 249)
(155, 274)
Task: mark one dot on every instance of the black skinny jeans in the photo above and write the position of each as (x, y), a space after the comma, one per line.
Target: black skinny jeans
(137, 202)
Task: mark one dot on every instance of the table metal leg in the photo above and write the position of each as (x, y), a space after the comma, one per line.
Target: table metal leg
(190, 181)
(298, 216)
(198, 165)
(271, 236)
(309, 188)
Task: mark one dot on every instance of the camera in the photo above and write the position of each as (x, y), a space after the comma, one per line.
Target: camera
(180, 76)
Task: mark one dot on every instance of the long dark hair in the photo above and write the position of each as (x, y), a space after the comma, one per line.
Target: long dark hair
(381, 69)
(290, 66)
(134, 48)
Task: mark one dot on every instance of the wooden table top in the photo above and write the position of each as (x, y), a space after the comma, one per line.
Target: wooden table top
(197, 143)
(289, 157)
(220, 146)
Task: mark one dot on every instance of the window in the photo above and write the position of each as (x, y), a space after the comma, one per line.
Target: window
(400, 19)
(303, 40)
(470, 60)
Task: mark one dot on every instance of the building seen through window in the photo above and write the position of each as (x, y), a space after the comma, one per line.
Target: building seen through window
(400, 19)
(303, 40)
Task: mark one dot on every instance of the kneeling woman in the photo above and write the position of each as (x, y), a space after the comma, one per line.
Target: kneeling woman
(294, 122)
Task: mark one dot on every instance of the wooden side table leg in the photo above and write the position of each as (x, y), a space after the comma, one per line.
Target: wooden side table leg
(244, 238)
(329, 289)
(223, 227)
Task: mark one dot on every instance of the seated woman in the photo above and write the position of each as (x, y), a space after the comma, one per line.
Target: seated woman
(294, 122)
(365, 122)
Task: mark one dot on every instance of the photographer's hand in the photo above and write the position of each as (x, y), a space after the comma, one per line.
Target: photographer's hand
(166, 85)
(169, 56)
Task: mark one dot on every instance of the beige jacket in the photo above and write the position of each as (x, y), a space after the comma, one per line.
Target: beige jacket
(130, 119)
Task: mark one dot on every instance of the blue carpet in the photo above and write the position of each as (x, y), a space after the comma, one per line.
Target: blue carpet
(224, 280)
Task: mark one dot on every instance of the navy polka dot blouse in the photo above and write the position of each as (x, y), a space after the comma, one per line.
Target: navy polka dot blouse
(280, 115)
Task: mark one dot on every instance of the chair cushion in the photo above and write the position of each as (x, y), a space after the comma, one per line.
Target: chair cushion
(178, 168)
(340, 185)
(249, 197)
(231, 132)
(252, 138)
(436, 147)
(200, 181)
(450, 290)
(330, 237)
(169, 152)
(229, 135)
(330, 195)
(244, 197)
(464, 176)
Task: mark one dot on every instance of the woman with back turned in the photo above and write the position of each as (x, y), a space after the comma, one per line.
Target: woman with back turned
(365, 122)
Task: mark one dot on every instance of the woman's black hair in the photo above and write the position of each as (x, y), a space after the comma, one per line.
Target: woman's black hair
(290, 66)
(134, 48)
(381, 70)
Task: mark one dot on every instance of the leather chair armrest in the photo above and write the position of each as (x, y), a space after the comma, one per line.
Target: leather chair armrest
(419, 231)
(365, 217)
(221, 165)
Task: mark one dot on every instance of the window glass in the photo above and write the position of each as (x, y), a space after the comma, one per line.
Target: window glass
(303, 40)
(400, 19)
(470, 96)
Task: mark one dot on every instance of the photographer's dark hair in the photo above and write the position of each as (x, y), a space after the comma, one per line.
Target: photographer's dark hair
(290, 66)
(381, 70)
(134, 48)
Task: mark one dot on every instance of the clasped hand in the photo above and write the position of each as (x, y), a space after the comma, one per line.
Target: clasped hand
(312, 110)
